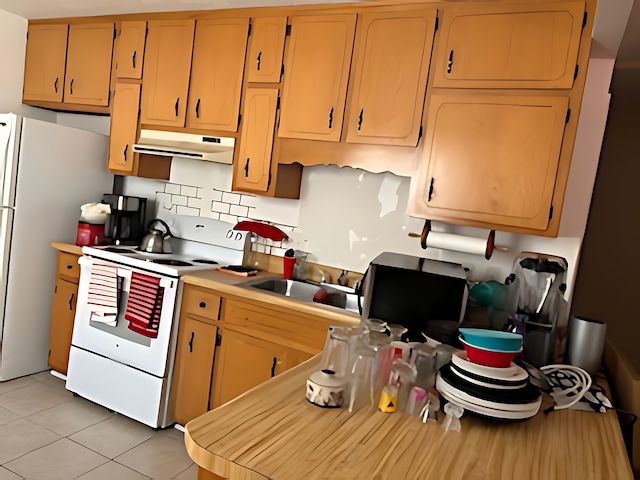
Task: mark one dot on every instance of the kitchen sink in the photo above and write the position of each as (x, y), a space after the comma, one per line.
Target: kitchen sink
(309, 292)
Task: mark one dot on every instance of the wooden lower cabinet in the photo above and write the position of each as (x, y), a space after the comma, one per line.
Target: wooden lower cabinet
(194, 365)
(63, 311)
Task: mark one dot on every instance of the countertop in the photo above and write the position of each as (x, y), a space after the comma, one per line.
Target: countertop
(272, 432)
(67, 248)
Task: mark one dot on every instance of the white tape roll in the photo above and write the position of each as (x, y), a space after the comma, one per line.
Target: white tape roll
(458, 243)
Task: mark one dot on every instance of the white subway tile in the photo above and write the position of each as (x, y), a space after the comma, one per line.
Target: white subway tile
(278, 251)
(192, 212)
(228, 218)
(239, 211)
(163, 201)
(172, 188)
(258, 247)
(216, 195)
(200, 203)
(248, 200)
(200, 192)
(189, 191)
(178, 200)
(207, 214)
(233, 198)
(220, 207)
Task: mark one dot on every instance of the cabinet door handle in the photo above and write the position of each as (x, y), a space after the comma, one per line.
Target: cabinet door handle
(450, 64)
(133, 59)
(331, 117)
(126, 147)
(273, 366)
(430, 190)
(246, 168)
(360, 118)
(177, 105)
(71, 86)
(71, 301)
(55, 85)
(191, 342)
(258, 60)
(203, 305)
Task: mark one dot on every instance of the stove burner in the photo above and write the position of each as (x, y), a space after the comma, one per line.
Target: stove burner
(202, 260)
(168, 261)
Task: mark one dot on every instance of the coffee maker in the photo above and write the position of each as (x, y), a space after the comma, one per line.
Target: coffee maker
(126, 224)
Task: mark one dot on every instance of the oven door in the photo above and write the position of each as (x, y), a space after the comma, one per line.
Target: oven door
(118, 342)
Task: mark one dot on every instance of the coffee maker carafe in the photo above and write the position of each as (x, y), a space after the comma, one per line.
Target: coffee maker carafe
(126, 224)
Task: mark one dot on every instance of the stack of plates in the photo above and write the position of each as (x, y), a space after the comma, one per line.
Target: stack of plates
(503, 393)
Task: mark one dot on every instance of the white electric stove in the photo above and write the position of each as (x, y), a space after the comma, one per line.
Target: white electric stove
(113, 363)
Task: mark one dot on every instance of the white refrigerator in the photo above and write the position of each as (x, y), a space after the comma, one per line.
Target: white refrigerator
(46, 172)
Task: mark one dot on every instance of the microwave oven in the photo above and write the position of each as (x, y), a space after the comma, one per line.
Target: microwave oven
(412, 291)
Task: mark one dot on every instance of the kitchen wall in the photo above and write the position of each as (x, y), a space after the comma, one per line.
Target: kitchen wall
(13, 41)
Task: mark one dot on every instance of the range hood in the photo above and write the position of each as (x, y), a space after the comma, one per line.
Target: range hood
(188, 145)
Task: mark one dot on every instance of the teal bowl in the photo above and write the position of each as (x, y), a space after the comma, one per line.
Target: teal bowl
(492, 339)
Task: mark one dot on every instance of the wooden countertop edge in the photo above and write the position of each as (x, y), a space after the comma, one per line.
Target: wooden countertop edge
(67, 248)
(236, 287)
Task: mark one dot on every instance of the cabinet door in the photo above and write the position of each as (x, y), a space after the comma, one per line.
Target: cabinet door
(515, 46)
(124, 127)
(251, 170)
(244, 363)
(63, 311)
(88, 75)
(130, 51)
(490, 158)
(266, 48)
(44, 64)
(391, 58)
(315, 77)
(216, 74)
(194, 364)
(167, 68)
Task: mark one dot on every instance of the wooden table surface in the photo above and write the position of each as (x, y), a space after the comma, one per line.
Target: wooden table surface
(273, 432)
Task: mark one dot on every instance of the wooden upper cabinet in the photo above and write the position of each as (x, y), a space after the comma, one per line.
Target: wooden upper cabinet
(490, 158)
(130, 49)
(266, 49)
(166, 73)
(391, 63)
(124, 127)
(89, 55)
(45, 60)
(216, 74)
(514, 46)
(316, 73)
(251, 170)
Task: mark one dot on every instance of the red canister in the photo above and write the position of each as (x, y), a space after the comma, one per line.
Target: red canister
(89, 234)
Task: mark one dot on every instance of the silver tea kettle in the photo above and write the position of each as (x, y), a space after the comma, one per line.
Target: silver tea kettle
(156, 241)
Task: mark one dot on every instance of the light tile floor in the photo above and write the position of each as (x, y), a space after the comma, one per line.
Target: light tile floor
(47, 432)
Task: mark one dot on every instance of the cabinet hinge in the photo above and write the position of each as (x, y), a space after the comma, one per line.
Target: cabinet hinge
(435, 29)
(575, 72)
(249, 32)
(218, 339)
(584, 19)
(566, 120)
(550, 212)
(288, 30)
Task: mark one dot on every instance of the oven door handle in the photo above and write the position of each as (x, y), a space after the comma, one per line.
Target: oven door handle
(164, 281)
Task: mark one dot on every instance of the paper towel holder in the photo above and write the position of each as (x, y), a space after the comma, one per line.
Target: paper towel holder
(490, 244)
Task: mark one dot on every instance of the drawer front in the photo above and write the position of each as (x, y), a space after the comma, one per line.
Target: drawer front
(277, 325)
(68, 266)
(200, 302)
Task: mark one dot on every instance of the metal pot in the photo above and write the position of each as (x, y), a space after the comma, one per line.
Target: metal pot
(156, 241)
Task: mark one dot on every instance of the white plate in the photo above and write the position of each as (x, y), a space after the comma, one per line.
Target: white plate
(443, 385)
(461, 373)
(513, 372)
(489, 412)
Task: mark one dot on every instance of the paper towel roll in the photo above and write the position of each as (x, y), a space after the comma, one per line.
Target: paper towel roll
(458, 243)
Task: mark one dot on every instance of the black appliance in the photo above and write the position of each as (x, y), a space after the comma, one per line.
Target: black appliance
(126, 224)
(414, 291)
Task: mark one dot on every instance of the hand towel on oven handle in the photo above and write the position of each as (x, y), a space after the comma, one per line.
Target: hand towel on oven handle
(102, 298)
(144, 305)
